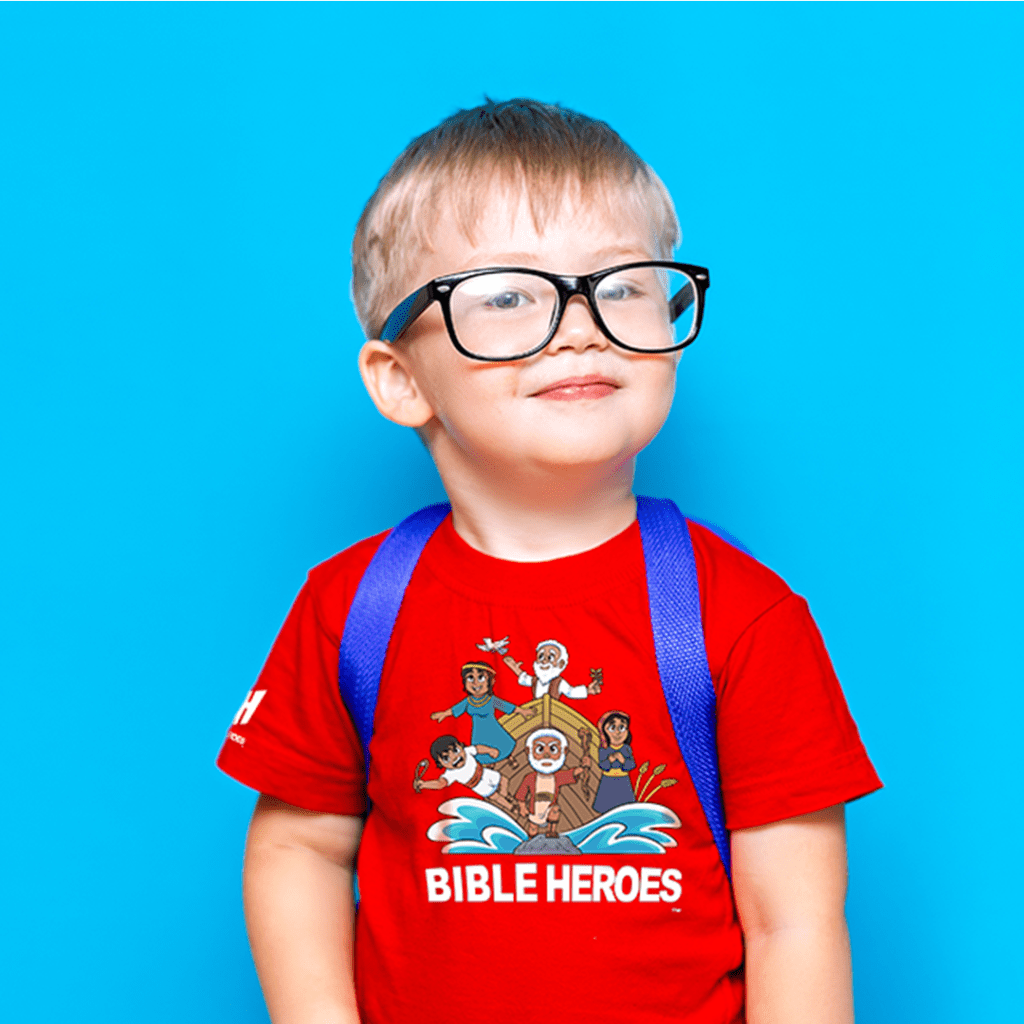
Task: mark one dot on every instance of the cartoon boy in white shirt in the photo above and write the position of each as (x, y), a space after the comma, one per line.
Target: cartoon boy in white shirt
(459, 764)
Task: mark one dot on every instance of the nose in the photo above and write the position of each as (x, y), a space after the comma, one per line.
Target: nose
(578, 330)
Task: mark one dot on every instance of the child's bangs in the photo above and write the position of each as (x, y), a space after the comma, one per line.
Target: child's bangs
(464, 194)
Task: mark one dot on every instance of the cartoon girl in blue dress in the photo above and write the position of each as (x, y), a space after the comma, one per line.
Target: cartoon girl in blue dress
(482, 707)
(615, 758)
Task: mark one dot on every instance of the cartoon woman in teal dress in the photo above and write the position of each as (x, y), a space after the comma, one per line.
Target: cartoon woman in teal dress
(482, 707)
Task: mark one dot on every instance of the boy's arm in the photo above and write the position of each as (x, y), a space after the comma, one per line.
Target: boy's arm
(790, 884)
(299, 909)
(440, 783)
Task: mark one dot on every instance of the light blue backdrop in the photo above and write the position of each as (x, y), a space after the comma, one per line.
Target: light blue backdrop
(185, 434)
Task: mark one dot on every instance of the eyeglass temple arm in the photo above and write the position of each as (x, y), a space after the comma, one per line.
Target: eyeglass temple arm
(406, 312)
(681, 301)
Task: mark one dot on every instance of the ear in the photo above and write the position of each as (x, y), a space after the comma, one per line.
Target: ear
(388, 378)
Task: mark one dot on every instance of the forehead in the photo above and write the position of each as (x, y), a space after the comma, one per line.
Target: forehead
(581, 235)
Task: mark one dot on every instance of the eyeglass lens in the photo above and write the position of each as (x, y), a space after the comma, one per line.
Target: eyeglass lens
(506, 314)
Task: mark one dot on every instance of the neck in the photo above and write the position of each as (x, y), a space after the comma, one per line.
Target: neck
(540, 515)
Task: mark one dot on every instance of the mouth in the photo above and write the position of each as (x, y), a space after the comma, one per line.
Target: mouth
(573, 389)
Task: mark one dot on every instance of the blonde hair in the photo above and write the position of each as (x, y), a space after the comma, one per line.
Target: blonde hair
(541, 149)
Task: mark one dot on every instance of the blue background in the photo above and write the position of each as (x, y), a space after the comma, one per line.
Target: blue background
(185, 434)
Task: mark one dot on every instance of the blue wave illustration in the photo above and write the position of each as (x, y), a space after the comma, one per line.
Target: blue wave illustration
(631, 828)
(475, 826)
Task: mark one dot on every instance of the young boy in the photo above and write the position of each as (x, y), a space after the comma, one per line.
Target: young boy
(533, 391)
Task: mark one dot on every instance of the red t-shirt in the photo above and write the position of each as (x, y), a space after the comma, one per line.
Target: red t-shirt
(466, 912)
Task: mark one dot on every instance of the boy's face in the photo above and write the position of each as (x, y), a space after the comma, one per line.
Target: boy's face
(580, 402)
(454, 757)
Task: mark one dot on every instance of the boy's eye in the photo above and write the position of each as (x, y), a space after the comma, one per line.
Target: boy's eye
(502, 292)
(615, 289)
(508, 300)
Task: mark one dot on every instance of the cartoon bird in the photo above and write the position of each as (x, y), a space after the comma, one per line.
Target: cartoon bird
(489, 645)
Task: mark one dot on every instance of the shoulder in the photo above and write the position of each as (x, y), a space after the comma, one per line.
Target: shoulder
(332, 584)
(721, 567)
(348, 564)
(735, 591)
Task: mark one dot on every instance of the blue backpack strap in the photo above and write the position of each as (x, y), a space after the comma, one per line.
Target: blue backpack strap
(371, 618)
(682, 660)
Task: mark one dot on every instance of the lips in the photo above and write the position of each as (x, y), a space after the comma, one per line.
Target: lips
(574, 389)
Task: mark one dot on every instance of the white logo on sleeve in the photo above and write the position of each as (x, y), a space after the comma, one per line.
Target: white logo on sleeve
(248, 708)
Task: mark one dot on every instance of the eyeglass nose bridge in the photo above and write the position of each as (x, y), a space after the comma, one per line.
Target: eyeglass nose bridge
(569, 286)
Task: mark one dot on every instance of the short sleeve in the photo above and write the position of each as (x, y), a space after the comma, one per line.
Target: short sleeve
(293, 738)
(787, 742)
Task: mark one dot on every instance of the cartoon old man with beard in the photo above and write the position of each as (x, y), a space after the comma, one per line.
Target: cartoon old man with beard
(548, 666)
(538, 795)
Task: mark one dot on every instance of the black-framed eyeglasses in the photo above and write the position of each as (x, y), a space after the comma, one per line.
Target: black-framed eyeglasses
(499, 314)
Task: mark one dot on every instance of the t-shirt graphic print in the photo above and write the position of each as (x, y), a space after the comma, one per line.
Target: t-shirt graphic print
(534, 846)
(560, 783)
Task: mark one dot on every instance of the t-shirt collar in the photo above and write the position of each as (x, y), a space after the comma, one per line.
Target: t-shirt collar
(558, 581)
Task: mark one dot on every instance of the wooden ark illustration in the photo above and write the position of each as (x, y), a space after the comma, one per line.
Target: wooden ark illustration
(574, 801)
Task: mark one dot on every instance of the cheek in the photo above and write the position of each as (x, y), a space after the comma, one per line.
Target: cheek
(450, 378)
(656, 385)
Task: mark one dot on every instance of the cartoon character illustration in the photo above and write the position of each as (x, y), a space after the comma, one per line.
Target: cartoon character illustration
(462, 764)
(519, 804)
(550, 662)
(537, 796)
(615, 759)
(482, 706)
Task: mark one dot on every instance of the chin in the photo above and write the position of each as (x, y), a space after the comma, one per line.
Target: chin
(560, 444)
(589, 439)
(569, 452)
